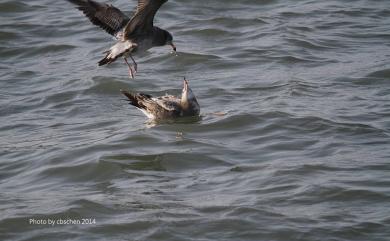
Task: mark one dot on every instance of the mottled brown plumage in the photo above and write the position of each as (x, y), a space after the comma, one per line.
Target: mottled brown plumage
(167, 106)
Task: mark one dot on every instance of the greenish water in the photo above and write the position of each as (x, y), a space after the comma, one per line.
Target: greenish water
(293, 141)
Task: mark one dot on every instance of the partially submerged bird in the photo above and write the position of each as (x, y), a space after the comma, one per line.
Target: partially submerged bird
(166, 107)
(132, 34)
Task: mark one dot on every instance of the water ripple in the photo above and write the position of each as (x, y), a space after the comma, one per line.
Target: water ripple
(292, 141)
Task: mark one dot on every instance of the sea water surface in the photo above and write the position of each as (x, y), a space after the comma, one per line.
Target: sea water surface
(293, 142)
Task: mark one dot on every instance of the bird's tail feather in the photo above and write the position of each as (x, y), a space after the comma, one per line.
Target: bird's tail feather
(78, 2)
(106, 59)
(136, 99)
(132, 98)
(109, 58)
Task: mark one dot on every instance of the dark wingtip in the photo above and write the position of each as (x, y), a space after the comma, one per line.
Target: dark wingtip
(127, 94)
(104, 61)
(146, 95)
(77, 2)
(134, 99)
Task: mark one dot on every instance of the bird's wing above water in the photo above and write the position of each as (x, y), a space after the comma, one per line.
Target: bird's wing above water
(103, 15)
(142, 20)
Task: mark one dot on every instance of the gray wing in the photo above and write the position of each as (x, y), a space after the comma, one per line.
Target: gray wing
(142, 20)
(103, 15)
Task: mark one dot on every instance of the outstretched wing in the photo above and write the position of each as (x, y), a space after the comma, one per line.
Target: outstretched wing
(103, 15)
(142, 20)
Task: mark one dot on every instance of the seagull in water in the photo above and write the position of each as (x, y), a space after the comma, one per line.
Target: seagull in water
(136, 34)
(167, 106)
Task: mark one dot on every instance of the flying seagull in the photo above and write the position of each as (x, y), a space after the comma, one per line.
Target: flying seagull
(132, 34)
(167, 106)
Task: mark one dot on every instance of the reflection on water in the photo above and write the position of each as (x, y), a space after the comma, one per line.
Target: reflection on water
(182, 120)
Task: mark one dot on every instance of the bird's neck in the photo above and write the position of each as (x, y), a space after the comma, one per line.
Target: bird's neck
(189, 106)
(185, 104)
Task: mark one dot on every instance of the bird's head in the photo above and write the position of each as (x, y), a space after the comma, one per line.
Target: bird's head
(188, 99)
(169, 40)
